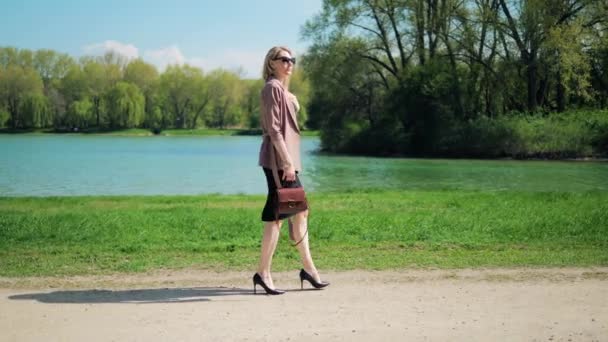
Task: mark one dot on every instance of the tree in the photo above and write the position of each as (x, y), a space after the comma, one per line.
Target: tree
(200, 101)
(53, 68)
(347, 97)
(50, 65)
(17, 84)
(300, 86)
(79, 114)
(250, 103)
(125, 105)
(73, 93)
(179, 88)
(35, 111)
(100, 76)
(381, 24)
(530, 31)
(413, 70)
(226, 92)
(8, 56)
(4, 116)
(146, 77)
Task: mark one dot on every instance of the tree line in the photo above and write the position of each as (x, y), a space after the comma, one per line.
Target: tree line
(48, 89)
(450, 77)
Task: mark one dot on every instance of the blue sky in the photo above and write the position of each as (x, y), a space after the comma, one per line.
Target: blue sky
(208, 34)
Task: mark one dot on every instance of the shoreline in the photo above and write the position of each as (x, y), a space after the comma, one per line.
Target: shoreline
(255, 132)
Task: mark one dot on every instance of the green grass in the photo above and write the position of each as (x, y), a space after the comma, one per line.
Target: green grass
(351, 230)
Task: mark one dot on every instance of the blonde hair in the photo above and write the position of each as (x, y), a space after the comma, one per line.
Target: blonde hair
(267, 70)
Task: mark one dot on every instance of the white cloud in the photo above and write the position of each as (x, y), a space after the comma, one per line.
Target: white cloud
(250, 61)
(247, 62)
(127, 50)
(165, 56)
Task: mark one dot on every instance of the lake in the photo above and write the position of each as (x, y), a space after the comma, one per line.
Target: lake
(66, 165)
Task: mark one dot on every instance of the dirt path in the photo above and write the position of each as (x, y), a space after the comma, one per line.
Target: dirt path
(409, 305)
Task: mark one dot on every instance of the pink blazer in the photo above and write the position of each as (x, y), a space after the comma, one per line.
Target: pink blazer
(280, 128)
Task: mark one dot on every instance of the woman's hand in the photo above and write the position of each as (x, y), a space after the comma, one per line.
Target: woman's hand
(289, 174)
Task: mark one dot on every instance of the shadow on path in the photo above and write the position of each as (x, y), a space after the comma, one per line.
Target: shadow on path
(139, 296)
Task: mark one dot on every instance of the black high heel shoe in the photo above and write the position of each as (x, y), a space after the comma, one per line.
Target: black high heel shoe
(257, 280)
(305, 276)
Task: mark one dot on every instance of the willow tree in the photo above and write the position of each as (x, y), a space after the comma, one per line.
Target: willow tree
(124, 105)
(226, 92)
(146, 78)
(250, 102)
(99, 78)
(185, 94)
(18, 86)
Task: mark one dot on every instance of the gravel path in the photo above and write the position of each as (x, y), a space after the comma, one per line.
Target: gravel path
(410, 305)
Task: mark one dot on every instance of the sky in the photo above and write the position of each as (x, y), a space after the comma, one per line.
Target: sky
(210, 34)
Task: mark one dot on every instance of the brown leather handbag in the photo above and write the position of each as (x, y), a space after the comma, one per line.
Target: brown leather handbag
(289, 201)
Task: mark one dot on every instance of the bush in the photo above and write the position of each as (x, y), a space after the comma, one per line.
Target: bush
(480, 138)
(4, 116)
(558, 135)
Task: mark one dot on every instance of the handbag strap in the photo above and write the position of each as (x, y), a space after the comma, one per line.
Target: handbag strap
(275, 174)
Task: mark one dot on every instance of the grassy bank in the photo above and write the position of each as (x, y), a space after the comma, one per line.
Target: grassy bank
(371, 230)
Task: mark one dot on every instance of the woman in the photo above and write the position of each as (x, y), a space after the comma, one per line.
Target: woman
(281, 149)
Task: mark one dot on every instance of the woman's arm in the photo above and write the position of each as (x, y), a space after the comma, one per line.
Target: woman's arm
(272, 97)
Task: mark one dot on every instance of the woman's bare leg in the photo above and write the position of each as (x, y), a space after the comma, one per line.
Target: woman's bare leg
(299, 224)
(269, 244)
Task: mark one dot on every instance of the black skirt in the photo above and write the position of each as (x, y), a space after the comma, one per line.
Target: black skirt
(269, 211)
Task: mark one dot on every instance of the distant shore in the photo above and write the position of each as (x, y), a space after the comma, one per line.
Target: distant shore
(139, 132)
(148, 132)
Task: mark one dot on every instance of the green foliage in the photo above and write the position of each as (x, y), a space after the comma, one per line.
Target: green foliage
(142, 74)
(79, 114)
(185, 95)
(300, 86)
(440, 78)
(125, 105)
(18, 85)
(251, 103)
(73, 86)
(146, 78)
(567, 61)
(4, 116)
(225, 95)
(421, 103)
(51, 65)
(43, 88)
(564, 135)
(35, 111)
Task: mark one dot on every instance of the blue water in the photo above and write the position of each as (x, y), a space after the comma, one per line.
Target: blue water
(63, 165)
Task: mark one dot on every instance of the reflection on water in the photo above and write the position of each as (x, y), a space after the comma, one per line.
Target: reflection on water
(40, 165)
(432, 174)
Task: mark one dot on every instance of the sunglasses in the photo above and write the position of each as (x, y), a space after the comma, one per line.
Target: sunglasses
(286, 60)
